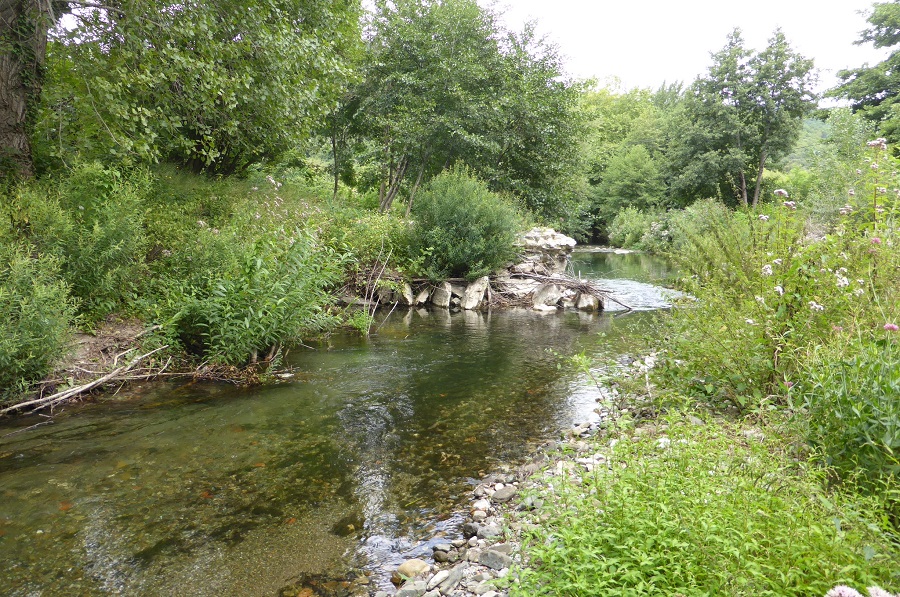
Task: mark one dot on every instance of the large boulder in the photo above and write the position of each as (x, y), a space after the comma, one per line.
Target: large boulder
(473, 296)
(442, 295)
(546, 297)
(587, 302)
(545, 249)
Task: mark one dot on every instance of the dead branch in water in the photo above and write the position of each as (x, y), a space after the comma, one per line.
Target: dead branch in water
(582, 286)
(59, 397)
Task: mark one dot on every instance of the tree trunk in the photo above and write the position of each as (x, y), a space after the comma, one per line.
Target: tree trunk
(334, 153)
(743, 189)
(23, 46)
(412, 192)
(759, 175)
(394, 184)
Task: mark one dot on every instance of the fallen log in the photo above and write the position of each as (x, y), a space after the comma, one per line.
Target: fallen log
(53, 400)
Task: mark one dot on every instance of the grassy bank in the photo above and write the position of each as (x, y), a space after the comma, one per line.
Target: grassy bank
(789, 349)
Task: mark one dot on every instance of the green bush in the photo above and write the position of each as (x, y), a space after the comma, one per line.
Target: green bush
(704, 510)
(277, 295)
(36, 314)
(93, 223)
(628, 227)
(849, 393)
(462, 228)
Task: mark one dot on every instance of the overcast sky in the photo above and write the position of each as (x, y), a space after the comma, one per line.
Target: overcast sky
(646, 42)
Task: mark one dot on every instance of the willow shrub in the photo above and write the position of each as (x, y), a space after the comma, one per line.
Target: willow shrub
(462, 229)
(708, 510)
(36, 315)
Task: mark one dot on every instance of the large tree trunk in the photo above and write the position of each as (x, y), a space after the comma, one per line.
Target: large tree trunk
(23, 46)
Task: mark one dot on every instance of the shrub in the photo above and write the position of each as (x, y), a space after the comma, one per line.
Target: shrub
(93, 223)
(36, 314)
(277, 295)
(628, 227)
(462, 228)
(848, 394)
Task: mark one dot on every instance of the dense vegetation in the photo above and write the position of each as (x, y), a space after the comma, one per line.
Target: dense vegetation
(224, 171)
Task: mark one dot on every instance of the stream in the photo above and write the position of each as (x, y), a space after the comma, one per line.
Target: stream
(357, 462)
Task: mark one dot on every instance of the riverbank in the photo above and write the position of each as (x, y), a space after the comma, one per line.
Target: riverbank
(642, 506)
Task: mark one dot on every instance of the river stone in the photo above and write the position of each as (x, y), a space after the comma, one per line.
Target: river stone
(443, 547)
(456, 575)
(470, 529)
(489, 531)
(457, 290)
(441, 557)
(479, 515)
(503, 548)
(546, 297)
(481, 504)
(405, 295)
(412, 589)
(434, 593)
(385, 296)
(495, 560)
(504, 495)
(438, 579)
(474, 295)
(422, 297)
(441, 295)
(587, 302)
(410, 569)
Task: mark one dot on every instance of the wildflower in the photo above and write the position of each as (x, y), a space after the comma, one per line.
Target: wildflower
(858, 171)
(751, 322)
(201, 223)
(781, 193)
(763, 218)
(789, 384)
(777, 261)
(760, 300)
(837, 328)
(767, 270)
(790, 204)
(874, 165)
(851, 192)
(256, 215)
(842, 282)
(859, 292)
(846, 210)
(891, 327)
(875, 240)
(814, 306)
(779, 290)
(881, 190)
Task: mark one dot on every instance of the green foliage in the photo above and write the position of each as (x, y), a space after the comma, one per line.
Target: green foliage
(848, 394)
(92, 222)
(462, 228)
(631, 179)
(873, 90)
(212, 85)
(277, 296)
(628, 227)
(704, 510)
(443, 84)
(36, 314)
(746, 112)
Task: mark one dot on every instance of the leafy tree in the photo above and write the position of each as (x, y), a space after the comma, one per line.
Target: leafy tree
(745, 112)
(444, 84)
(873, 91)
(632, 179)
(212, 85)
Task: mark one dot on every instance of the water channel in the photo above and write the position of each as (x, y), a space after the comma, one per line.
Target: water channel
(348, 467)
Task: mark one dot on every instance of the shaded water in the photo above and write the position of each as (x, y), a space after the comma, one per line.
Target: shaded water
(368, 450)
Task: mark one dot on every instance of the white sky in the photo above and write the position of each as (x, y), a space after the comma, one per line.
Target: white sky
(647, 42)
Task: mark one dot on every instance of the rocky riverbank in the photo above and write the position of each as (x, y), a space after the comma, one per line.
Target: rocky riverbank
(505, 507)
(538, 280)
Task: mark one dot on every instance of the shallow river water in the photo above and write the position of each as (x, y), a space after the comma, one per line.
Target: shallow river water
(352, 465)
